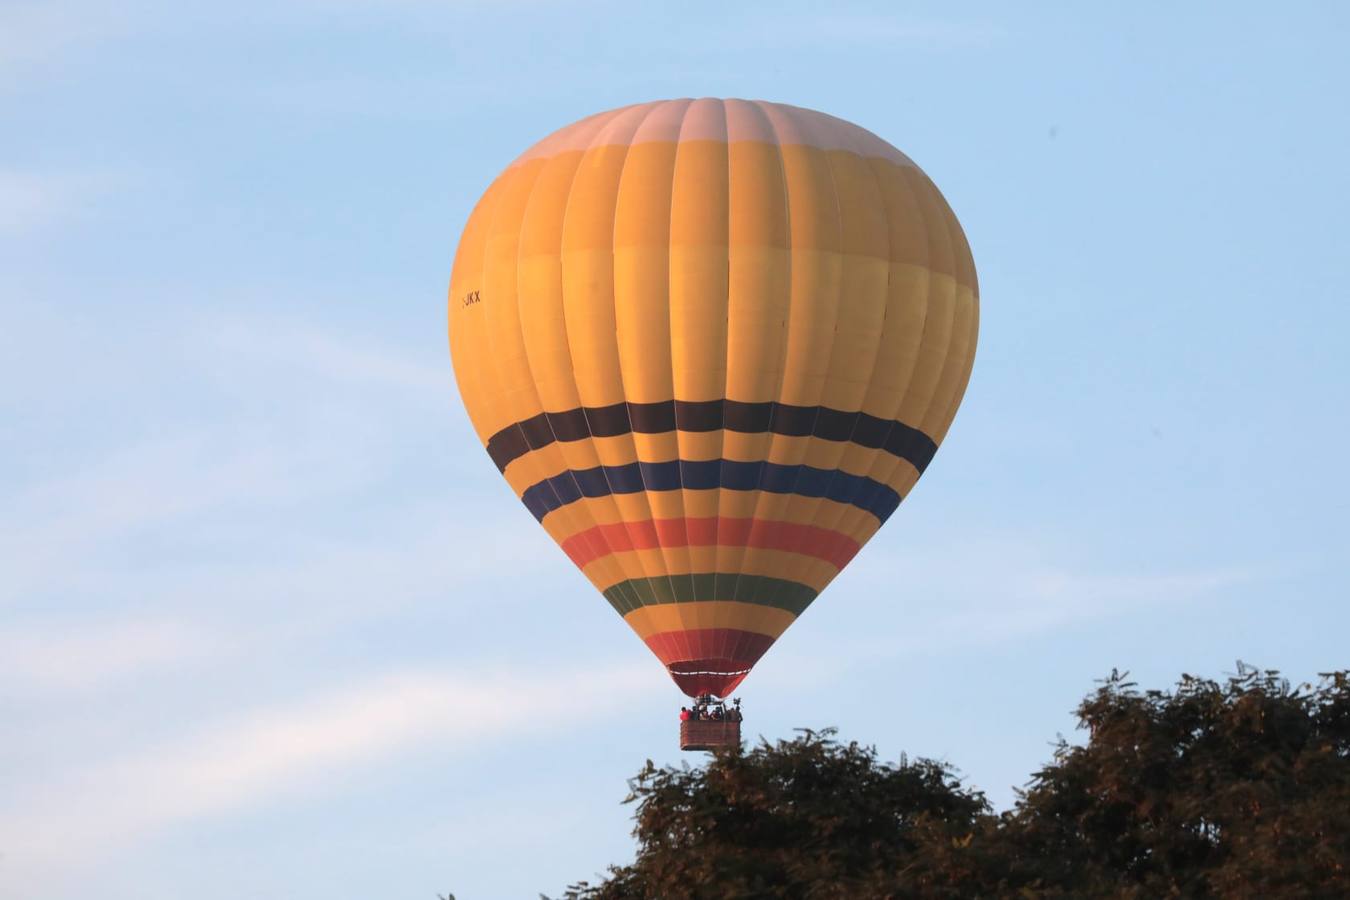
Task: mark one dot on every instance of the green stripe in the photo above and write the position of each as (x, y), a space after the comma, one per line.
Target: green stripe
(792, 596)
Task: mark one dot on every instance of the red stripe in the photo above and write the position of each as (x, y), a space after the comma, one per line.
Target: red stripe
(713, 531)
(709, 660)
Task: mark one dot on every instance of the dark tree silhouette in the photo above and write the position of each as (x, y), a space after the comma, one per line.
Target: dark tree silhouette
(1240, 789)
(1233, 789)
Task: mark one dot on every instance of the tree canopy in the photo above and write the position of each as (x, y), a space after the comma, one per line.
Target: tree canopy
(1238, 788)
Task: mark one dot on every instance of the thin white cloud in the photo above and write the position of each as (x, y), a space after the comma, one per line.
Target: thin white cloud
(890, 30)
(141, 625)
(324, 353)
(987, 593)
(289, 750)
(34, 201)
(80, 656)
(49, 530)
(326, 587)
(248, 459)
(1043, 600)
(37, 34)
(842, 30)
(134, 533)
(158, 480)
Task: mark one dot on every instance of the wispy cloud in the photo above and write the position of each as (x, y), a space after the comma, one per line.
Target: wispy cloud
(327, 354)
(270, 526)
(990, 592)
(38, 34)
(142, 625)
(55, 529)
(249, 461)
(68, 656)
(1042, 599)
(33, 201)
(842, 30)
(285, 751)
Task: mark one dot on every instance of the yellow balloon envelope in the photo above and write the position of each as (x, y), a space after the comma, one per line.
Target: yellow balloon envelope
(712, 344)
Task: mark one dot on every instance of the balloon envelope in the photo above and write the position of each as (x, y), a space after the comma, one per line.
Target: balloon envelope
(711, 344)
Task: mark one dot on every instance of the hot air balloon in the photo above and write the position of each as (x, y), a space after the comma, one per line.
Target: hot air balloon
(711, 345)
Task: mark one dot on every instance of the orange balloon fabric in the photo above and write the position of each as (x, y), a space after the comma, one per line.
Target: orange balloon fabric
(711, 345)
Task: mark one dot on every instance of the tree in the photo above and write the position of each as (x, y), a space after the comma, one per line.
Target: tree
(1240, 789)
(1237, 789)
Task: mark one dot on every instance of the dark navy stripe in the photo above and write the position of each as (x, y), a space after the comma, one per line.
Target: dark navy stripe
(893, 436)
(806, 481)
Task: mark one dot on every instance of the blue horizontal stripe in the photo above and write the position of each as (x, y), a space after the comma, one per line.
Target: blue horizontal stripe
(699, 475)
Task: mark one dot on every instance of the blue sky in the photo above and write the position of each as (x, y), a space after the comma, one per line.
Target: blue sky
(256, 574)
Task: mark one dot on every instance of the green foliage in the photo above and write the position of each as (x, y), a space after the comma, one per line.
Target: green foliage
(1239, 789)
(1223, 790)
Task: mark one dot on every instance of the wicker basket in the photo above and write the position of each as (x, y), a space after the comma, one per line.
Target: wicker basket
(709, 734)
